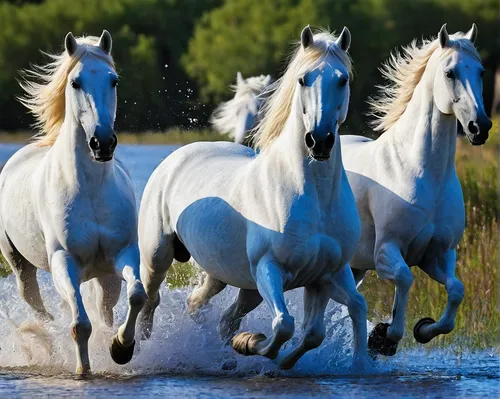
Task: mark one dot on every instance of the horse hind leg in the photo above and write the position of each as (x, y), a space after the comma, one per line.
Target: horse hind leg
(315, 300)
(443, 271)
(27, 283)
(230, 321)
(208, 288)
(108, 293)
(157, 254)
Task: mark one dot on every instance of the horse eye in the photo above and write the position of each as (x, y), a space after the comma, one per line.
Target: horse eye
(301, 81)
(114, 83)
(343, 81)
(450, 74)
(75, 85)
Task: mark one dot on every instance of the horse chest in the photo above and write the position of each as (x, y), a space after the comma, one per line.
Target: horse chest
(96, 233)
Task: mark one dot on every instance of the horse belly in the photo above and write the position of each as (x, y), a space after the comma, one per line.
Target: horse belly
(215, 235)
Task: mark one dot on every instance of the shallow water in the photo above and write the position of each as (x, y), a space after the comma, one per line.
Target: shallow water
(188, 359)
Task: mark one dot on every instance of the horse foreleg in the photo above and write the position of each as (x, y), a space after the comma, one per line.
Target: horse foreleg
(390, 265)
(122, 346)
(343, 290)
(67, 279)
(443, 271)
(230, 321)
(27, 283)
(315, 300)
(107, 292)
(202, 294)
(269, 276)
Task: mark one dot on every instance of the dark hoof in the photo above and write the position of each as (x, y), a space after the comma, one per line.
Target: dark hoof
(243, 341)
(379, 344)
(416, 330)
(119, 353)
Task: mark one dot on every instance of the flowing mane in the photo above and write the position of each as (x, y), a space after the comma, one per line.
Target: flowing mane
(279, 105)
(45, 88)
(248, 95)
(403, 70)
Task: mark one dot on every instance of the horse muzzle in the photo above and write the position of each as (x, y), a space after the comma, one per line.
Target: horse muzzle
(477, 131)
(103, 149)
(320, 149)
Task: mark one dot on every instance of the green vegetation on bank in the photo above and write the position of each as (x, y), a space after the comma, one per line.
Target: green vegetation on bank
(176, 58)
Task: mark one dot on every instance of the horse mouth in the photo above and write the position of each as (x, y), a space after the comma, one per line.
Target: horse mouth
(320, 158)
(104, 158)
(476, 141)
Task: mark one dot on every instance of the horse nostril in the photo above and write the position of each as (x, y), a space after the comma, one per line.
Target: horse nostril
(330, 140)
(472, 127)
(94, 143)
(310, 140)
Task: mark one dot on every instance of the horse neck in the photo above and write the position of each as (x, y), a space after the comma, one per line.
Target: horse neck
(425, 137)
(72, 155)
(288, 154)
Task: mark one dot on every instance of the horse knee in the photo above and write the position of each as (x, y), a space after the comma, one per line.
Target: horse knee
(81, 330)
(403, 277)
(284, 325)
(138, 297)
(314, 338)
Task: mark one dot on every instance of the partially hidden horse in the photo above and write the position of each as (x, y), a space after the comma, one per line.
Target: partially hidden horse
(240, 115)
(66, 205)
(405, 183)
(268, 222)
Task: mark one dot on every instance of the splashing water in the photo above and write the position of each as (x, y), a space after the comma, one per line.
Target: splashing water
(177, 345)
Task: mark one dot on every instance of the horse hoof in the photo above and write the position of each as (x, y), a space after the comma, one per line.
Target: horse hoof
(242, 341)
(416, 330)
(83, 371)
(119, 353)
(378, 343)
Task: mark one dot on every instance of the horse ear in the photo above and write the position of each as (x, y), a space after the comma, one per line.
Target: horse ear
(239, 79)
(306, 37)
(105, 42)
(70, 44)
(344, 40)
(267, 80)
(444, 38)
(472, 33)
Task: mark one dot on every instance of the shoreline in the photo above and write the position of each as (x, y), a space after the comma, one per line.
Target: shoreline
(169, 137)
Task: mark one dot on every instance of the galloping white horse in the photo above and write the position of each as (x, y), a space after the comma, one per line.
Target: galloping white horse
(241, 114)
(66, 206)
(266, 223)
(406, 187)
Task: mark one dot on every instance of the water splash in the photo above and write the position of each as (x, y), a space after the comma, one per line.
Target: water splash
(178, 344)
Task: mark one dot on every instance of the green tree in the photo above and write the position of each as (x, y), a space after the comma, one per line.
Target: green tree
(253, 37)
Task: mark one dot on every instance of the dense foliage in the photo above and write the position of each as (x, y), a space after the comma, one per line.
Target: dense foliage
(176, 58)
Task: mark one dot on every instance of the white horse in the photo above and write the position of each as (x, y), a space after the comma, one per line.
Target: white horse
(406, 187)
(266, 223)
(66, 205)
(241, 114)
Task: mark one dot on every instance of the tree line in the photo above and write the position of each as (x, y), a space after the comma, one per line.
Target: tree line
(176, 58)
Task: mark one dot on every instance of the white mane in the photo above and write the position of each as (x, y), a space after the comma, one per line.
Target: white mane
(248, 97)
(403, 70)
(45, 88)
(279, 105)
